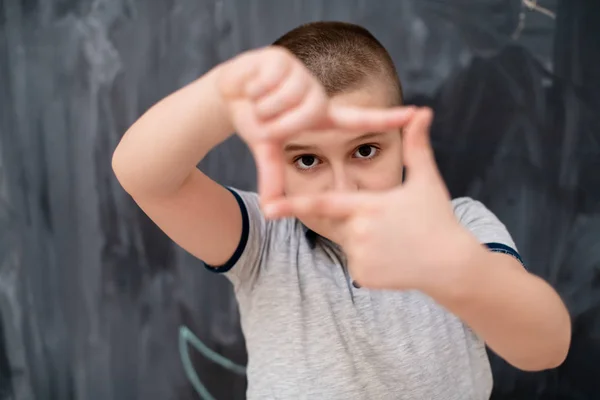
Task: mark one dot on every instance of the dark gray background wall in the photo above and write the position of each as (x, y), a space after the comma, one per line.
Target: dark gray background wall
(93, 295)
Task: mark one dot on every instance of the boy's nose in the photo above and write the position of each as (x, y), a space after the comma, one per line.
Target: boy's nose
(343, 181)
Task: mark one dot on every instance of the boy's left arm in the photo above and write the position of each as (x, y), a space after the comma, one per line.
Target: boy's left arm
(519, 316)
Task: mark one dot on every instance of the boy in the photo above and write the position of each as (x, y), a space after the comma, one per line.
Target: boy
(368, 288)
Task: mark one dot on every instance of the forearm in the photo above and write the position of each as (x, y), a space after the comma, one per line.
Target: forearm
(520, 317)
(162, 148)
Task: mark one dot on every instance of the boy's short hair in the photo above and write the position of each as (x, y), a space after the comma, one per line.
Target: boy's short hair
(342, 56)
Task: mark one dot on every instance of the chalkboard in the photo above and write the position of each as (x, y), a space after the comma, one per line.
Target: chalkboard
(97, 303)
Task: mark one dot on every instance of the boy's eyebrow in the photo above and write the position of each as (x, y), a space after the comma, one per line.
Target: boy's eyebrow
(291, 147)
(369, 135)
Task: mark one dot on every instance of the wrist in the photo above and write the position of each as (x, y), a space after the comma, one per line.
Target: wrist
(209, 88)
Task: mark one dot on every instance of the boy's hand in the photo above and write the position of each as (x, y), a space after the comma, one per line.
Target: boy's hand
(405, 238)
(272, 96)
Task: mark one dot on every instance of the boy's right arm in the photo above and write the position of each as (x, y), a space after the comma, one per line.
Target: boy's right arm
(268, 95)
(156, 160)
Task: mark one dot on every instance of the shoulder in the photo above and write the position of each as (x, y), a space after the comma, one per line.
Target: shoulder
(261, 240)
(485, 226)
(475, 216)
(249, 203)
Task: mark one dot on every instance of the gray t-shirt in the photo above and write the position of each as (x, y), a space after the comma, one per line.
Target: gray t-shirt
(311, 334)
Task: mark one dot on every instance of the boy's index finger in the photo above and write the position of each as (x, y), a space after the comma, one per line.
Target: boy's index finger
(327, 205)
(365, 119)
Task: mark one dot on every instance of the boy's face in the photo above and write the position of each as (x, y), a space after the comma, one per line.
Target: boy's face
(334, 160)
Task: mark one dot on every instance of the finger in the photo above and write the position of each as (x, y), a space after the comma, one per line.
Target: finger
(364, 119)
(276, 64)
(287, 96)
(329, 205)
(236, 73)
(309, 115)
(418, 154)
(270, 168)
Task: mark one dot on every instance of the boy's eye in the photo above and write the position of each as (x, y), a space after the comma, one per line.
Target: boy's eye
(307, 161)
(366, 151)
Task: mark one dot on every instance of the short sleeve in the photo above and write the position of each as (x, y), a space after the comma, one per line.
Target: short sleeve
(244, 264)
(485, 226)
